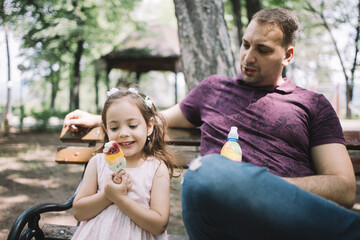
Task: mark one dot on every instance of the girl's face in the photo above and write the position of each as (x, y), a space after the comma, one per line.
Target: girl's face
(126, 125)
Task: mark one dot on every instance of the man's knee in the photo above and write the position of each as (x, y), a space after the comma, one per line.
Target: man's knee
(213, 176)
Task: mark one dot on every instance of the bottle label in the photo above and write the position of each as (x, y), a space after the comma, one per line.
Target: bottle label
(232, 151)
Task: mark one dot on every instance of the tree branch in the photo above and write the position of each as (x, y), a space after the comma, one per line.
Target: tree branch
(325, 24)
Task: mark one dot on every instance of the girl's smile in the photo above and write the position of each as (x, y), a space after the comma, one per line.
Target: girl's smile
(126, 144)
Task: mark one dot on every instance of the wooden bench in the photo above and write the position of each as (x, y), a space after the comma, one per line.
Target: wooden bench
(184, 142)
(78, 148)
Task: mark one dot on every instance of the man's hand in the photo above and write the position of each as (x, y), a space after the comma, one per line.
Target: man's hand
(81, 118)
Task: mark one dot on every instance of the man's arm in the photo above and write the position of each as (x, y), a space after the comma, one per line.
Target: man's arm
(81, 118)
(175, 118)
(335, 179)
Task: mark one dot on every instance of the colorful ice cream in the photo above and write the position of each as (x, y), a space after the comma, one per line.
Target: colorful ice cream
(114, 156)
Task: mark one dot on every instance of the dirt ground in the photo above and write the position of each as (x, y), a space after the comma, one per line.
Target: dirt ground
(29, 176)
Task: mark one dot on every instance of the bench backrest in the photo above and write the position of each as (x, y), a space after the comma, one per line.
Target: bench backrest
(185, 144)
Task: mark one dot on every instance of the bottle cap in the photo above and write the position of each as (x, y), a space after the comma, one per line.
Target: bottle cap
(233, 134)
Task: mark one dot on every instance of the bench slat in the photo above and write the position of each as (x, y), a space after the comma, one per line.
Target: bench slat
(183, 137)
(75, 155)
(176, 136)
(84, 135)
(352, 139)
(82, 155)
(58, 232)
(65, 232)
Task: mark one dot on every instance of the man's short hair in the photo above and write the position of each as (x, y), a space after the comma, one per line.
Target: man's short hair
(284, 19)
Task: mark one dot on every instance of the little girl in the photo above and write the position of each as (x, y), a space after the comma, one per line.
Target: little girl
(137, 206)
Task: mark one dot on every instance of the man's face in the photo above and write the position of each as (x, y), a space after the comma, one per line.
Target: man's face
(262, 54)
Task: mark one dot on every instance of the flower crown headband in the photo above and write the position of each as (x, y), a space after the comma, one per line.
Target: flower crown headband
(146, 100)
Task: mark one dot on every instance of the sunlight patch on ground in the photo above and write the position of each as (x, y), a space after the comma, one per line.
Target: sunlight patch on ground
(7, 202)
(38, 154)
(2, 189)
(15, 146)
(75, 168)
(14, 164)
(3, 234)
(49, 183)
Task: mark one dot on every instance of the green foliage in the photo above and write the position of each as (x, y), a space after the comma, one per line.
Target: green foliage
(51, 30)
(42, 118)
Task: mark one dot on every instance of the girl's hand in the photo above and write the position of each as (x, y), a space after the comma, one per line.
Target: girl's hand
(114, 191)
(117, 177)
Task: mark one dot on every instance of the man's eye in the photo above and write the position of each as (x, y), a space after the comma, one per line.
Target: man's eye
(264, 51)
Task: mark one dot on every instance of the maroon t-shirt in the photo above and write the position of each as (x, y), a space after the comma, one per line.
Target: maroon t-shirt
(277, 126)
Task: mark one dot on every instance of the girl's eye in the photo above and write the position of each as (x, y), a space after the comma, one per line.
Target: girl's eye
(114, 128)
(132, 126)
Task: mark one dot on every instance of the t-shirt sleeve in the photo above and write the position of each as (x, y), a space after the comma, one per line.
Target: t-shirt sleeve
(191, 105)
(325, 127)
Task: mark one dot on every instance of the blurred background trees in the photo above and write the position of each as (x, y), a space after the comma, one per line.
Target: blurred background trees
(61, 42)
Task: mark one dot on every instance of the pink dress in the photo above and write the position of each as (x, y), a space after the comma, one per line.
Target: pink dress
(112, 223)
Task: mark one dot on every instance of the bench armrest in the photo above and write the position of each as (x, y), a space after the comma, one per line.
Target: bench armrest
(31, 216)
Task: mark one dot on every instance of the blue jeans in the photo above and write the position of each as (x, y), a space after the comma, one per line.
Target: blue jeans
(223, 199)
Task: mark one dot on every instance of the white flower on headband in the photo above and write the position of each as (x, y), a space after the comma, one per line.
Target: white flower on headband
(133, 90)
(112, 91)
(148, 102)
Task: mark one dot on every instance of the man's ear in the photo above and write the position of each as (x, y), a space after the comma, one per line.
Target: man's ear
(150, 126)
(289, 54)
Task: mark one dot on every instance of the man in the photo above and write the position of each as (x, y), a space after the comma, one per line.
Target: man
(295, 171)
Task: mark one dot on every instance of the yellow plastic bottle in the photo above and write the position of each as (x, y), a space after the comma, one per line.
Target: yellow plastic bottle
(231, 148)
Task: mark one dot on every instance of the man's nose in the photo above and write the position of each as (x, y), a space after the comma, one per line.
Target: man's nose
(249, 56)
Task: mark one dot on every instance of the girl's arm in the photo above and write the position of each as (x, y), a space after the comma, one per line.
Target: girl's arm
(153, 220)
(88, 203)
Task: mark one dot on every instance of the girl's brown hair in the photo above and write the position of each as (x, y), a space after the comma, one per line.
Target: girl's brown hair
(155, 145)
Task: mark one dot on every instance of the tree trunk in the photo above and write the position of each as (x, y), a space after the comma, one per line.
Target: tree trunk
(96, 86)
(252, 7)
(53, 90)
(204, 40)
(8, 100)
(77, 76)
(55, 81)
(236, 6)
